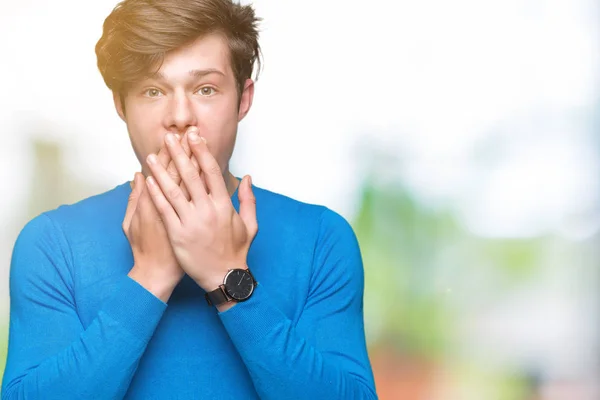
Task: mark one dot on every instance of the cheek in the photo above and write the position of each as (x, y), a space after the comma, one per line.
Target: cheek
(218, 122)
(144, 133)
(217, 113)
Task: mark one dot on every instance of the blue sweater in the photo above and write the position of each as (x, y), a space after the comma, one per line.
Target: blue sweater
(80, 328)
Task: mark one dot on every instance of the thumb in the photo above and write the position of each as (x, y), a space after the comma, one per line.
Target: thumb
(137, 187)
(248, 206)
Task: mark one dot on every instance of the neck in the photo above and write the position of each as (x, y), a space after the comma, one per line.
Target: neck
(231, 182)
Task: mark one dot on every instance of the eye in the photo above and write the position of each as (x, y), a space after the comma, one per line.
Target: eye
(207, 91)
(152, 92)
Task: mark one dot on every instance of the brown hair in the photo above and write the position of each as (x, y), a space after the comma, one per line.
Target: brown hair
(138, 34)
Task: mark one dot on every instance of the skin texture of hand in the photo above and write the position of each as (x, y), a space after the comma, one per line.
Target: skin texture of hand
(155, 266)
(207, 234)
(172, 169)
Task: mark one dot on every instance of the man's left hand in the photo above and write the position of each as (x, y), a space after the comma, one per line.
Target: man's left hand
(207, 234)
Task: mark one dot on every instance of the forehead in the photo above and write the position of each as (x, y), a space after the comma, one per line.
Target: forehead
(207, 52)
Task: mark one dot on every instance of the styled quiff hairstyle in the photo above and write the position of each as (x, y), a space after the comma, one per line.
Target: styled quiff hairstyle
(139, 33)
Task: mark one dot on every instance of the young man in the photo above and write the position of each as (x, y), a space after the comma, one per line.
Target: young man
(191, 284)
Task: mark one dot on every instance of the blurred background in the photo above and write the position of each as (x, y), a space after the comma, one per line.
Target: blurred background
(461, 140)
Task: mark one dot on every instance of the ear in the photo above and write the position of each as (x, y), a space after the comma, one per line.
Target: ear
(119, 105)
(246, 99)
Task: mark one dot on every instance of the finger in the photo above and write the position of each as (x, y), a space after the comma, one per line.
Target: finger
(248, 206)
(196, 166)
(187, 151)
(162, 205)
(146, 206)
(209, 166)
(171, 169)
(184, 143)
(132, 202)
(165, 160)
(186, 147)
(164, 157)
(174, 174)
(171, 191)
(189, 175)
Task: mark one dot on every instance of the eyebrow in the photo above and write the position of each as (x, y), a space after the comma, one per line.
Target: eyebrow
(196, 73)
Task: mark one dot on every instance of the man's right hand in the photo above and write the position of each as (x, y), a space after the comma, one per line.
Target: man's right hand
(155, 266)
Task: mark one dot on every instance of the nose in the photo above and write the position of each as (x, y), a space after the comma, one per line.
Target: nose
(180, 115)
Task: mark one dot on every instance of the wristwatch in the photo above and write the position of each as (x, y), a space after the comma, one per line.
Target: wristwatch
(238, 285)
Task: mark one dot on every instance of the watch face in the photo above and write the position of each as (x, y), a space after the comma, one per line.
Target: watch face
(239, 284)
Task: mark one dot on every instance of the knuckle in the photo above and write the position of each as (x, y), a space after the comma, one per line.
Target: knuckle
(192, 176)
(174, 193)
(209, 215)
(181, 156)
(194, 179)
(173, 173)
(214, 169)
(223, 205)
(253, 230)
(185, 192)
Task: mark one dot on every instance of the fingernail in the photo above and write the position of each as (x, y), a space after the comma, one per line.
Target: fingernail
(249, 181)
(170, 138)
(151, 159)
(178, 136)
(193, 136)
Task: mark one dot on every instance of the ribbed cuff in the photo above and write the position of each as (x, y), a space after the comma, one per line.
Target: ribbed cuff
(135, 308)
(252, 320)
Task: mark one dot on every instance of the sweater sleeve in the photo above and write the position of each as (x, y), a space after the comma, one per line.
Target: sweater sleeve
(324, 355)
(50, 354)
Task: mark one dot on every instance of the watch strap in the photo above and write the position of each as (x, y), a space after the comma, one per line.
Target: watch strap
(217, 296)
